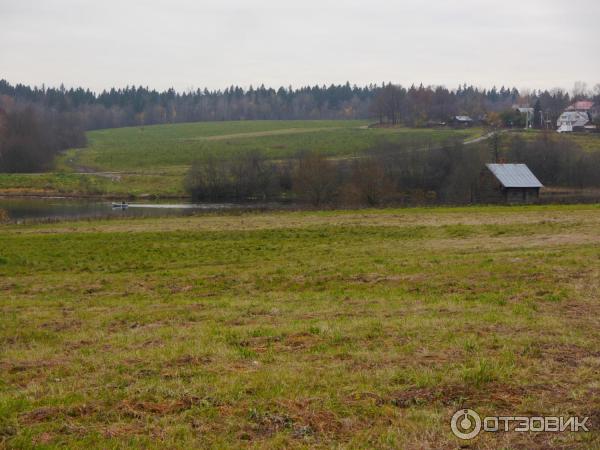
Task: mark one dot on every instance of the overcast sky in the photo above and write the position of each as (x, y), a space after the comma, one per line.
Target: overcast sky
(201, 43)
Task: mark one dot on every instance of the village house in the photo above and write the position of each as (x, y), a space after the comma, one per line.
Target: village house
(508, 183)
(578, 117)
(461, 121)
(572, 121)
(585, 106)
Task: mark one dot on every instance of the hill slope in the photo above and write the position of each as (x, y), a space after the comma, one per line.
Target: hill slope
(153, 160)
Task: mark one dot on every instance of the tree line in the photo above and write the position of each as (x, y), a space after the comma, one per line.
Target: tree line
(31, 136)
(426, 105)
(414, 105)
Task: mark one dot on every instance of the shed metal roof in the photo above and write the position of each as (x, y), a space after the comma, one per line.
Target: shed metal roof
(514, 175)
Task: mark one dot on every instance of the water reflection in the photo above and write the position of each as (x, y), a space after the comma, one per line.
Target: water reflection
(65, 208)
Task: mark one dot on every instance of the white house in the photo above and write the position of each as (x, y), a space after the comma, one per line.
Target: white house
(570, 120)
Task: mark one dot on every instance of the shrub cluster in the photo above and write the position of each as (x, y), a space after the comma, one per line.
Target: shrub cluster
(390, 173)
(387, 174)
(556, 160)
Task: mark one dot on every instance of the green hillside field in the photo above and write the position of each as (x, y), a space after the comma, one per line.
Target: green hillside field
(153, 160)
(179, 144)
(587, 141)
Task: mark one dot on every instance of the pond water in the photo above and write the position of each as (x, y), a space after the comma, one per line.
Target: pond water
(21, 208)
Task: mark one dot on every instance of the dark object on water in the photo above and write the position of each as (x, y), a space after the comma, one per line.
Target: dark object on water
(121, 205)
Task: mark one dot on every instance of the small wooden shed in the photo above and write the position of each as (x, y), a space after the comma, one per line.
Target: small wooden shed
(508, 183)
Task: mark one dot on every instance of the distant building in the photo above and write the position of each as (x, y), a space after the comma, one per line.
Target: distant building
(574, 117)
(524, 109)
(462, 121)
(572, 121)
(582, 105)
(527, 112)
(508, 183)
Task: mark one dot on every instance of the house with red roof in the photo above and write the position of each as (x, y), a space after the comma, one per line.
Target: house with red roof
(581, 105)
(587, 106)
(578, 117)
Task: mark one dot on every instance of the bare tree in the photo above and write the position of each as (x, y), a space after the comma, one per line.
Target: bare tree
(369, 183)
(315, 179)
(580, 89)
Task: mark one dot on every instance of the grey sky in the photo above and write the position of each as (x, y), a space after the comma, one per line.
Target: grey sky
(186, 43)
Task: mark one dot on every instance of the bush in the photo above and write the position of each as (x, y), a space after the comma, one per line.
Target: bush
(316, 180)
(368, 184)
(557, 160)
(248, 177)
(388, 173)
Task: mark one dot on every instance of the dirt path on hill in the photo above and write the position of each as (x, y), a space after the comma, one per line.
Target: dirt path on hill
(479, 139)
(223, 137)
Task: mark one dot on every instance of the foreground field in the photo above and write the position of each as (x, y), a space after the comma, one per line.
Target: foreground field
(310, 329)
(153, 160)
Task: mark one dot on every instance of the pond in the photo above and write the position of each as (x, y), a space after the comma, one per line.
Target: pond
(54, 208)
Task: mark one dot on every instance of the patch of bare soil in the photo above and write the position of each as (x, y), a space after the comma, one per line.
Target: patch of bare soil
(46, 413)
(23, 366)
(141, 408)
(302, 418)
(501, 396)
(189, 360)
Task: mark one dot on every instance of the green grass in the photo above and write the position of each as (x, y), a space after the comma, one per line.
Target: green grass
(166, 183)
(162, 146)
(43, 182)
(311, 329)
(153, 160)
(587, 141)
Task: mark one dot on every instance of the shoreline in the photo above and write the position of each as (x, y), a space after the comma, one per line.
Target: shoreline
(81, 196)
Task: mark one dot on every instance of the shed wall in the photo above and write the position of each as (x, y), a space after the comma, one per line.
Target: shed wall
(490, 190)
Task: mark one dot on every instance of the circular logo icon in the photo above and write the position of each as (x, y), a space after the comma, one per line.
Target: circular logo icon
(465, 424)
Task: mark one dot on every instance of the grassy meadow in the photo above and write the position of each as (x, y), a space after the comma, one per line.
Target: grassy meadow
(153, 160)
(355, 329)
(163, 183)
(180, 144)
(587, 141)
